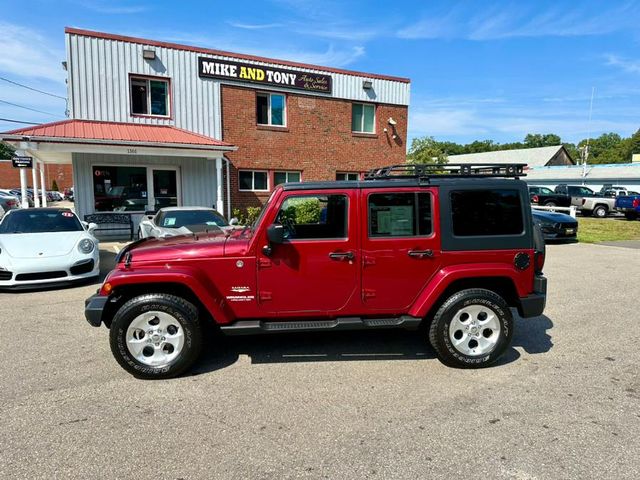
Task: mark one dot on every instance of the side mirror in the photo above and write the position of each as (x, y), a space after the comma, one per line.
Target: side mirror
(275, 233)
(234, 221)
(92, 227)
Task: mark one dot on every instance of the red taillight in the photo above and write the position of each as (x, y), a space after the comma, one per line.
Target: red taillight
(636, 202)
(12, 203)
(538, 261)
(535, 199)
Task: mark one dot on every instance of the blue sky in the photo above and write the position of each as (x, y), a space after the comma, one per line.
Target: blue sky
(479, 70)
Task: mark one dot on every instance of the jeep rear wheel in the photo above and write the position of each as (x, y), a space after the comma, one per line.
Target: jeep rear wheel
(156, 336)
(471, 329)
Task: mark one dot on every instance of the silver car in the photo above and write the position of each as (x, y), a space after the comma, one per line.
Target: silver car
(172, 221)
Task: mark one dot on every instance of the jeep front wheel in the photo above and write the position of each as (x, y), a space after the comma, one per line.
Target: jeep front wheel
(156, 336)
(471, 329)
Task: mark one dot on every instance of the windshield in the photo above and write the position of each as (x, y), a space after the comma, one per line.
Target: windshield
(40, 221)
(263, 211)
(182, 218)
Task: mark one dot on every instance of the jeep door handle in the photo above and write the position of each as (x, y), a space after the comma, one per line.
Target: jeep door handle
(341, 256)
(420, 253)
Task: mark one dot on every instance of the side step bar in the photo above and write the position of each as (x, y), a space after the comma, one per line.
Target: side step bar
(253, 327)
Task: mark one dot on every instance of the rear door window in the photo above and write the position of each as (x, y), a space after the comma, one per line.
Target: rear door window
(487, 212)
(399, 214)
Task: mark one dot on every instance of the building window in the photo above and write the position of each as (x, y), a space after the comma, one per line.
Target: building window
(314, 217)
(120, 189)
(149, 97)
(253, 181)
(285, 177)
(363, 118)
(271, 109)
(350, 176)
(486, 212)
(400, 214)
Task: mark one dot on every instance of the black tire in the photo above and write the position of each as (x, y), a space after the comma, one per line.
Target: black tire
(439, 329)
(551, 203)
(600, 211)
(631, 215)
(184, 312)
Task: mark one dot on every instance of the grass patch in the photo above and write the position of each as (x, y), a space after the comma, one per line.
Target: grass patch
(594, 230)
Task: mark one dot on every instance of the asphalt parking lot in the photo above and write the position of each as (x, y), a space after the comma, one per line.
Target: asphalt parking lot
(564, 403)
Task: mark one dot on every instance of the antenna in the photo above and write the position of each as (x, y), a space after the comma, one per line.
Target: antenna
(585, 151)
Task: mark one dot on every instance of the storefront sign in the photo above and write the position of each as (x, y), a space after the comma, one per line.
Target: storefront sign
(22, 162)
(245, 72)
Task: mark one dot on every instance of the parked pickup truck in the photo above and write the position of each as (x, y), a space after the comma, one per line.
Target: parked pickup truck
(596, 205)
(561, 197)
(629, 206)
(450, 248)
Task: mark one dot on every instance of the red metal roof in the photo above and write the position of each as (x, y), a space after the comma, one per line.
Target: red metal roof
(210, 51)
(87, 130)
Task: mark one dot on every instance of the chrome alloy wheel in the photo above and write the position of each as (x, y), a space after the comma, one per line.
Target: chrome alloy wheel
(155, 338)
(474, 330)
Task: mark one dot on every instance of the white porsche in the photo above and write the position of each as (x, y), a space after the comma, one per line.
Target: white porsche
(44, 246)
(172, 221)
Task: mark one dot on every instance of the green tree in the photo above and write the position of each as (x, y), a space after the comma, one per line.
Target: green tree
(6, 152)
(426, 150)
(533, 140)
(607, 148)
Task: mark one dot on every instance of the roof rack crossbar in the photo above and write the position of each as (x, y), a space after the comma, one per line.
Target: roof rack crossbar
(428, 170)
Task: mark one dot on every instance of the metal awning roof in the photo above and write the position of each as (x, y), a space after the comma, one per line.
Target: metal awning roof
(56, 142)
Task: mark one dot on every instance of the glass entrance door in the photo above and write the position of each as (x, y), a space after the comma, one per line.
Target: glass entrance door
(165, 188)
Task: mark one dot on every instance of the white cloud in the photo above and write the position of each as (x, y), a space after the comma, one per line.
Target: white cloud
(26, 53)
(515, 20)
(631, 66)
(112, 8)
(332, 56)
(257, 26)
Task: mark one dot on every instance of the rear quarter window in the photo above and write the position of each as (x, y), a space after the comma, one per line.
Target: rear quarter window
(487, 212)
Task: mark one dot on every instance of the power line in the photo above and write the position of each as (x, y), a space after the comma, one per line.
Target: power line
(17, 121)
(28, 108)
(34, 89)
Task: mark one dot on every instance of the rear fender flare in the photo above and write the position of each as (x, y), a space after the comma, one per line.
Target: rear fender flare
(434, 290)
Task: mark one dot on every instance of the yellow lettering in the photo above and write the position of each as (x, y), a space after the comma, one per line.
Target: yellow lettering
(252, 74)
(259, 75)
(243, 72)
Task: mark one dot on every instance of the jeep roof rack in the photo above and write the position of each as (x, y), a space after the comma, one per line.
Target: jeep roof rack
(447, 170)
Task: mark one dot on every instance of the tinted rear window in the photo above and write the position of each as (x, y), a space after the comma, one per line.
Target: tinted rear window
(486, 212)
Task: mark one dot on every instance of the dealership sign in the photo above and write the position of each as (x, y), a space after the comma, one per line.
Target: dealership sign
(22, 162)
(246, 72)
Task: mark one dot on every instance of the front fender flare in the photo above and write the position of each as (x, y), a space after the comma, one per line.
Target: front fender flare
(192, 278)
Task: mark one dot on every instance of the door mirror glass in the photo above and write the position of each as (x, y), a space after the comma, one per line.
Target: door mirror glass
(275, 233)
(234, 221)
(92, 227)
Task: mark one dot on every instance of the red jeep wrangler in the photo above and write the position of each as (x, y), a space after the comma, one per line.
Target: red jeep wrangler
(448, 247)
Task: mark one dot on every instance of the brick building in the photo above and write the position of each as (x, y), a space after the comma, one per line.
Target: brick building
(155, 124)
(61, 173)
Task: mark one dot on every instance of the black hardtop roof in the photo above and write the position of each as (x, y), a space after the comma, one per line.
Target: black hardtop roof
(429, 174)
(402, 182)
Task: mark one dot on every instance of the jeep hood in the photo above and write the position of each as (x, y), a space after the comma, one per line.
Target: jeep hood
(182, 247)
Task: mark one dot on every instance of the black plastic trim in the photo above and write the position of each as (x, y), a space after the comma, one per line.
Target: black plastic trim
(93, 308)
(533, 305)
(256, 327)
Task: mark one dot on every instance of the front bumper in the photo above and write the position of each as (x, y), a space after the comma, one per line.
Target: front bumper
(533, 305)
(39, 273)
(93, 308)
